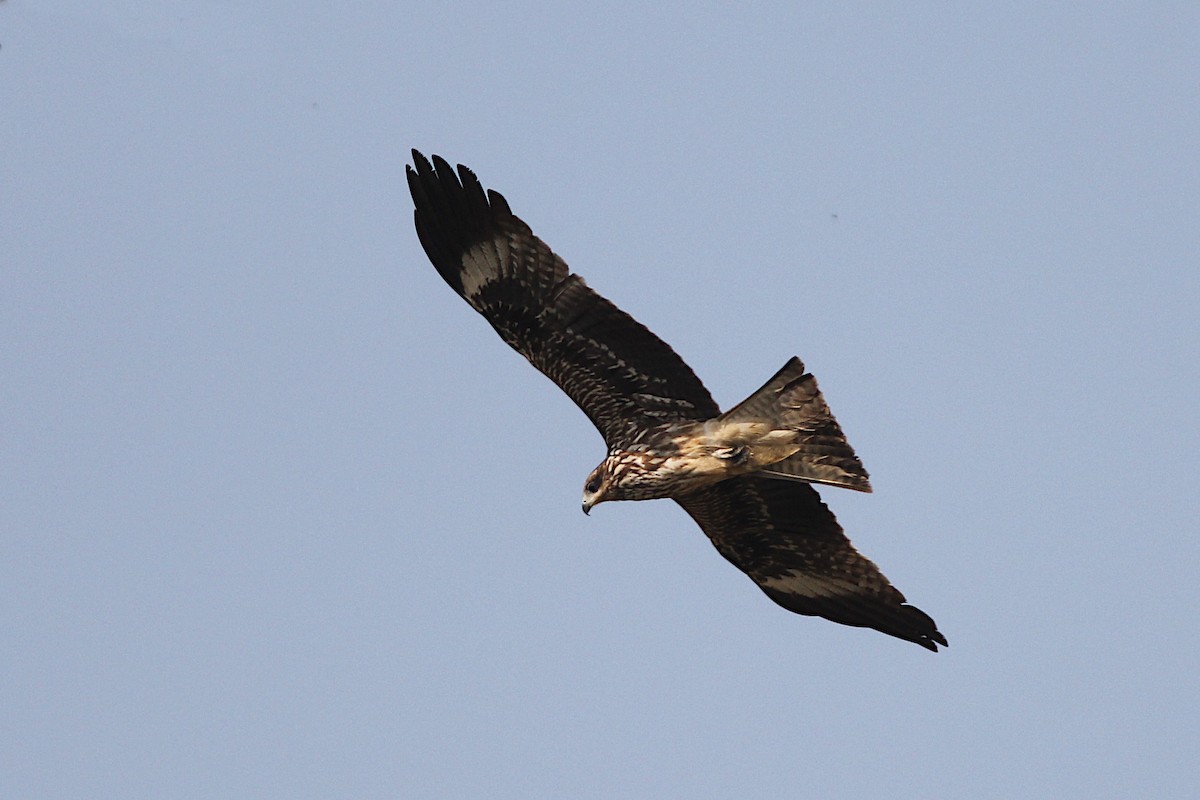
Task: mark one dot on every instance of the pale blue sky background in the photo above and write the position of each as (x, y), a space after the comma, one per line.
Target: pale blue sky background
(281, 517)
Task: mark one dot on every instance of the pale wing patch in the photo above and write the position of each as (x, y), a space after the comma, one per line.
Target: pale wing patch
(479, 267)
(794, 582)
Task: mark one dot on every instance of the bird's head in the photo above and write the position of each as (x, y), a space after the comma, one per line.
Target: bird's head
(597, 487)
(628, 475)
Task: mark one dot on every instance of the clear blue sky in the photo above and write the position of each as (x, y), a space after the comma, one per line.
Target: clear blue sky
(280, 516)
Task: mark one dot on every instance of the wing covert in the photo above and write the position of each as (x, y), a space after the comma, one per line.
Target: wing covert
(619, 373)
(780, 534)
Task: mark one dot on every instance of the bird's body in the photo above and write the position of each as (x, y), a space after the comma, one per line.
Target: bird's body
(784, 429)
(681, 457)
(743, 476)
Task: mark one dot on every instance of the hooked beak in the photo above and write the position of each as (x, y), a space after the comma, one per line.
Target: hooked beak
(593, 499)
(594, 490)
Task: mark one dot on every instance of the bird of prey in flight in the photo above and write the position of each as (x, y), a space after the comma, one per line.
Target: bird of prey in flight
(744, 476)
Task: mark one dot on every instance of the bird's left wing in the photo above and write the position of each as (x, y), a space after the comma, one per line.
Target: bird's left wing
(623, 376)
(780, 534)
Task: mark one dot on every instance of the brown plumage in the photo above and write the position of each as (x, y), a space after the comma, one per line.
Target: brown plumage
(743, 476)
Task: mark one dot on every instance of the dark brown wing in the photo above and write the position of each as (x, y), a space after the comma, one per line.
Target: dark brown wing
(623, 376)
(780, 534)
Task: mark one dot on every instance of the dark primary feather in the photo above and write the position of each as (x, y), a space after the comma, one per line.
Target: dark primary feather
(623, 376)
(780, 534)
(626, 379)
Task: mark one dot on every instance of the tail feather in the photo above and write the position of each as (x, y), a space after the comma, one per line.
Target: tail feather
(792, 401)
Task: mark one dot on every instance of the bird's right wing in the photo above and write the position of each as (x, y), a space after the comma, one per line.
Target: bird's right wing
(780, 534)
(623, 376)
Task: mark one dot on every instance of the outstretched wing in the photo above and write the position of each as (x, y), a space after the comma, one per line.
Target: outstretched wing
(780, 534)
(623, 376)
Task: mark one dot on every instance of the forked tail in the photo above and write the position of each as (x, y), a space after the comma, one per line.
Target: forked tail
(791, 401)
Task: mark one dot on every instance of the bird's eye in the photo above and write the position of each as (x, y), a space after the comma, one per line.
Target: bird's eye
(593, 485)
